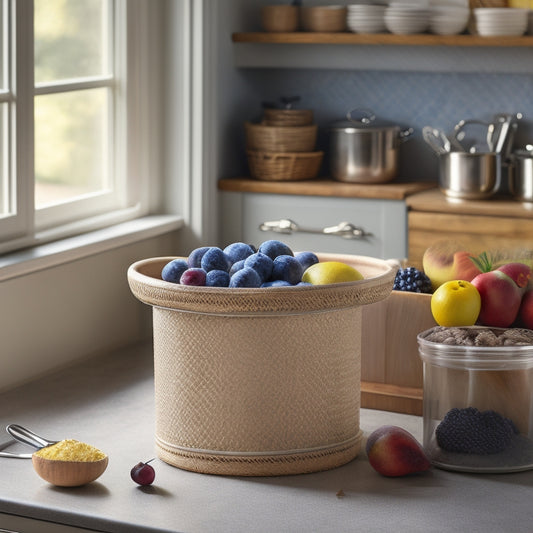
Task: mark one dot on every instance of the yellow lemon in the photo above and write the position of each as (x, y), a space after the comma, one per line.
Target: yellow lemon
(456, 303)
(330, 272)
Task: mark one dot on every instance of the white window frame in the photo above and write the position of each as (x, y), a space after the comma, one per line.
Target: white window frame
(136, 136)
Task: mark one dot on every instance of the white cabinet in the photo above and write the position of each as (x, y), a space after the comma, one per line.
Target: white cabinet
(385, 222)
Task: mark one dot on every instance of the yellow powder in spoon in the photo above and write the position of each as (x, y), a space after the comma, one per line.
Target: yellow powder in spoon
(71, 450)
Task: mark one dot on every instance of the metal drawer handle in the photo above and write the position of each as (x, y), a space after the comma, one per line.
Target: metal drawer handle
(346, 230)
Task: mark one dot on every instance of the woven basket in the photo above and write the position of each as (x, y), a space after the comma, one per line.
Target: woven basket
(284, 166)
(258, 382)
(288, 117)
(280, 138)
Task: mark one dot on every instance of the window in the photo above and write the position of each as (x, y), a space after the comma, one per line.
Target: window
(67, 122)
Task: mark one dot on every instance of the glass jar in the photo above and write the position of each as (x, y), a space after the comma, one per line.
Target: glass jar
(478, 399)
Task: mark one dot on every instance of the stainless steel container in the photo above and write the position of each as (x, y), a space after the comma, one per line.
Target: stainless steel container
(469, 176)
(365, 150)
(521, 175)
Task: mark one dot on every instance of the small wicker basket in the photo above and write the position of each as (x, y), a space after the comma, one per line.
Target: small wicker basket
(280, 138)
(258, 382)
(284, 166)
(288, 117)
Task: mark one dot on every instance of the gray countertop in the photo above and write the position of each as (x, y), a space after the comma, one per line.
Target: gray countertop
(108, 402)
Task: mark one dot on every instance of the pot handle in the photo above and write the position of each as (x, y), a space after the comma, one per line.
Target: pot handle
(406, 133)
(368, 115)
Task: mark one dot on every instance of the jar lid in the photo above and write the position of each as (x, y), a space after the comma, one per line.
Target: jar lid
(477, 347)
(364, 120)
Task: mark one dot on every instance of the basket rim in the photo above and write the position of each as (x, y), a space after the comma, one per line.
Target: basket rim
(260, 301)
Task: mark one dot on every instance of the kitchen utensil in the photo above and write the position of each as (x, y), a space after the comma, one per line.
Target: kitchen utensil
(471, 176)
(364, 149)
(4, 445)
(437, 139)
(58, 472)
(521, 175)
(505, 128)
(26, 436)
(475, 143)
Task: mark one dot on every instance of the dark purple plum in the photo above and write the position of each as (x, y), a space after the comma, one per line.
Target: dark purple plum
(306, 259)
(287, 268)
(215, 259)
(217, 278)
(238, 251)
(261, 263)
(246, 278)
(195, 257)
(193, 276)
(173, 270)
(274, 248)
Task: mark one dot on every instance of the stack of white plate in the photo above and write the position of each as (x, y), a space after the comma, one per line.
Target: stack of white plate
(448, 19)
(492, 21)
(405, 18)
(366, 18)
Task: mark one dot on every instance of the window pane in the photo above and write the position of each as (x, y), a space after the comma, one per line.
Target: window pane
(3, 44)
(5, 189)
(70, 39)
(71, 145)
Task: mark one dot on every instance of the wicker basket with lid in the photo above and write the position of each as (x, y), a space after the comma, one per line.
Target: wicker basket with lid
(258, 381)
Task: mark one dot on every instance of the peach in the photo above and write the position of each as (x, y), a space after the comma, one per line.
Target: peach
(393, 452)
(446, 261)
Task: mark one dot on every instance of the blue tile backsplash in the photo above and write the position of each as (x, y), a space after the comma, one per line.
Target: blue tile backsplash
(413, 99)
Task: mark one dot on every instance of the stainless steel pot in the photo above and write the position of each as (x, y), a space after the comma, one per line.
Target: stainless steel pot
(521, 175)
(365, 150)
(469, 176)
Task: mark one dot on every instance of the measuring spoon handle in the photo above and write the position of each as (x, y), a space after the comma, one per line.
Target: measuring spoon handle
(28, 437)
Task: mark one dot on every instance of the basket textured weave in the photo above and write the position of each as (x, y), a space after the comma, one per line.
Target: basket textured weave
(280, 138)
(258, 381)
(284, 166)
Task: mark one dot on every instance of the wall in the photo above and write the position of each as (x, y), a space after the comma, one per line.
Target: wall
(59, 315)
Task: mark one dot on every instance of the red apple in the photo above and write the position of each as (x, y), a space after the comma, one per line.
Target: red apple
(392, 451)
(526, 310)
(518, 272)
(500, 298)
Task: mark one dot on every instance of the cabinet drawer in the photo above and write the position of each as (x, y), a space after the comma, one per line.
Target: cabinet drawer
(386, 221)
(477, 233)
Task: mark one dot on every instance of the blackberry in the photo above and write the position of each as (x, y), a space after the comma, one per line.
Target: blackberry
(410, 279)
(472, 431)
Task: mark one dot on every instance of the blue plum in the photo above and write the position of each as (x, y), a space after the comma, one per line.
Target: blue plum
(215, 259)
(274, 248)
(217, 278)
(173, 270)
(306, 259)
(287, 268)
(193, 276)
(195, 257)
(238, 251)
(245, 277)
(261, 263)
(236, 266)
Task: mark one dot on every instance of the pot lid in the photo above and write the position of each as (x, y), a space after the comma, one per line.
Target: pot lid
(364, 120)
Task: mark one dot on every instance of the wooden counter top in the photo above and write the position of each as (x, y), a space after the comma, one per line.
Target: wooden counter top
(434, 201)
(388, 191)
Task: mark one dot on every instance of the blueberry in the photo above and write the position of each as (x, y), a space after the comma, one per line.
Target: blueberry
(238, 251)
(195, 257)
(215, 259)
(172, 271)
(236, 266)
(217, 278)
(306, 259)
(276, 283)
(261, 263)
(246, 277)
(193, 276)
(287, 268)
(274, 248)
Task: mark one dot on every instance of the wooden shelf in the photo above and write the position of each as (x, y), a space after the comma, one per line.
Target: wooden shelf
(423, 39)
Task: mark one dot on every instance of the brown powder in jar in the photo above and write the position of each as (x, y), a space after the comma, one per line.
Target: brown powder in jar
(71, 450)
